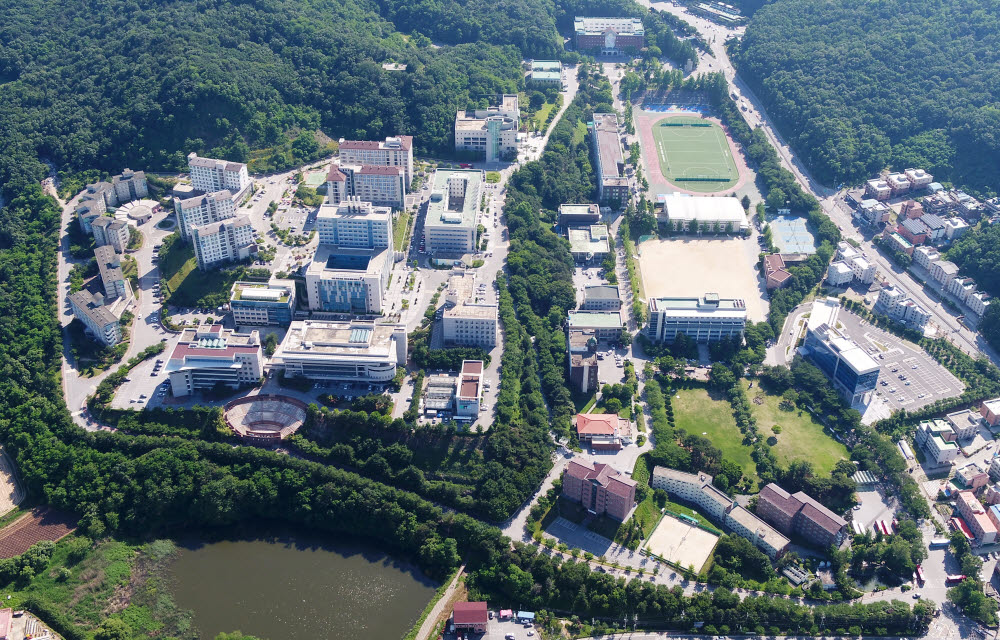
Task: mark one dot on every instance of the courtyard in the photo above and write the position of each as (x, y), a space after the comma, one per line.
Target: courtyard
(681, 543)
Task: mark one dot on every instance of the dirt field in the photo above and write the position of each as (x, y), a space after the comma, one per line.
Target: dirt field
(681, 543)
(11, 493)
(692, 266)
(40, 524)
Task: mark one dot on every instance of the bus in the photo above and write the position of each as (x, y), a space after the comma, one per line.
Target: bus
(954, 578)
(920, 574)
(939, 543)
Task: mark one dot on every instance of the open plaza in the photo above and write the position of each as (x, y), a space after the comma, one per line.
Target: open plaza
(693, 266)
(681, 543)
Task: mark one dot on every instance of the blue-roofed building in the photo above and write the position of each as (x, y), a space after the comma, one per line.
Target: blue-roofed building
(525, 617)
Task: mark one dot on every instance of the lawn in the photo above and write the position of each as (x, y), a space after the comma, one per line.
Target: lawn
(681, 509)
(698, 413)
(580, 132)
(400, 231)
(541, 116)
(694, 154)
(186, 285)
(801, 437)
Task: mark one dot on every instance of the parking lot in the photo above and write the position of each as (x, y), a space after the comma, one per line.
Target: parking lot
(908, 377)
(500, 630)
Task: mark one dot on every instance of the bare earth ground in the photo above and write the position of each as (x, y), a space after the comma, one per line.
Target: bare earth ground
(644, 121)
(693, 266)
(11, 493)
(40, 524)
(681, 543)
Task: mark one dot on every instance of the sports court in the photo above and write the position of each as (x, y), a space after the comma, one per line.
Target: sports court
(690, 266)
(681, 543)
(694, 154)
(791, 235)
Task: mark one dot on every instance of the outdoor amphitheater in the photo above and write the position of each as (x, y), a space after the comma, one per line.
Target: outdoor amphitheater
(265, 418)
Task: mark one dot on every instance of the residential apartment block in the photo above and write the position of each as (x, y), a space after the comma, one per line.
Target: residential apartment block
(209, 175)
(100, 197)
(354, 224)
(223, 242)
(943, 271)
(470, 314)
(973, 476)
(130, 185)
(109, 265)
(601, 298)
(380, 185)
(453, 211)
(96, 317)
(939, 441)
(697, 489)
(609, 35)
(990, 410)
(965, 424)
(706, 319)
(974, 514)
(599, 488)
(395, 151)
(800, 514)
(609, 162)
(491, 131)
(262, 304)
(346, 280)
(208, 355)
(894, 303)
(109, 231)
(346, 351)
(854, 373)
(205, 209)
(925, 256)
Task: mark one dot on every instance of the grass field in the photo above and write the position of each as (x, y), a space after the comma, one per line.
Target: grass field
(801, 437)
(542, 115)
(698, 413)
(692, 152)
(400, 231)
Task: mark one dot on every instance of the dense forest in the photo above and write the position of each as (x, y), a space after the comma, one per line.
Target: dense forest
(977, 257)
(858, 86)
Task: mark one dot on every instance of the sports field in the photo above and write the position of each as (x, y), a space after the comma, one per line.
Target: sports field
(694, 154)
(683, 544)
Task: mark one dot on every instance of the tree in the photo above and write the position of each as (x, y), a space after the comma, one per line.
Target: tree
(776, 199)
(745, 201)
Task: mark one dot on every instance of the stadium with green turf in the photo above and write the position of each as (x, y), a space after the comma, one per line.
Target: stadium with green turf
(694, 154)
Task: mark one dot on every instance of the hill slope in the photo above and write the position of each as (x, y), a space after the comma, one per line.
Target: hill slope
(858, 85)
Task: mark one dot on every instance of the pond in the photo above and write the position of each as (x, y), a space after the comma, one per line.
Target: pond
(297, 588)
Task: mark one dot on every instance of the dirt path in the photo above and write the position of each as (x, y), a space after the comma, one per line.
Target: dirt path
(442, 606)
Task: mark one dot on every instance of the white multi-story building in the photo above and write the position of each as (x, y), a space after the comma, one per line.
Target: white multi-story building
(925, 255)
(978, 302)
(864, 271)
(470, 315)
(918, 178)
(95, 202)
(955, 228)
(893, 302)
(345, 280)
(354, 224)
(130, 185)
(943, 271)
(96, 316)
(609, 160)
(853, 372)
(204, 210)
(491, 131)
(379, 185)
(395, 151)
(353, 351)
(839, 274)
(224, 241)
(109, 231)
(453, 211)
(109, 265)
(938, 440)
(210, 175)
(208, 356)
(961, 287)
(914, 314)
(706, 319)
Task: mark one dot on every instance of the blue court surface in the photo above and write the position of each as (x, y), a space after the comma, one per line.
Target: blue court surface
(790, 235)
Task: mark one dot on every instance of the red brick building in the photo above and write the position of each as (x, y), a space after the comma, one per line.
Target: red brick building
(798, 513)
(470, 616)
(599, 488)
